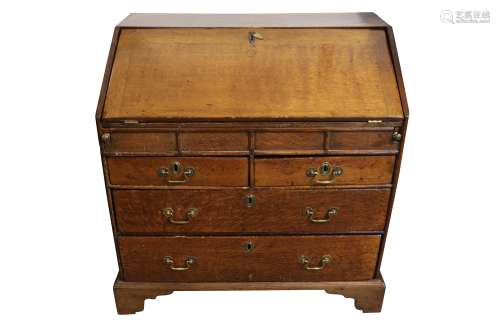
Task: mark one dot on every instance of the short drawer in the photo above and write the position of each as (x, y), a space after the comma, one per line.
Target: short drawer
(247, 259)
(139, 142)
(282, 211)
(348, 141)
(324, 171)
(214, 142)
(181, 171)
(289, 142)
(352, 142)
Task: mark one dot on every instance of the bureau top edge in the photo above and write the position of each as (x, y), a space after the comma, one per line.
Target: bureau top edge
(251, 123)
(289, 20)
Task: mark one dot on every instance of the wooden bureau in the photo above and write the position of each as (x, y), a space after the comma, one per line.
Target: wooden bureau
(251, 152)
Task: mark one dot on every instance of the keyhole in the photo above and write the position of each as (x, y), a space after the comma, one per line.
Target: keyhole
(248, 246)
(250, 200)
(324, 169)
(176, 168)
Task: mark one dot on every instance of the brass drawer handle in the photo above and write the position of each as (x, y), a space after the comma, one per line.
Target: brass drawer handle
(175, 169)
(169, 213)
(326, 169)
(325, 260)
(329, 214)
(187, 263)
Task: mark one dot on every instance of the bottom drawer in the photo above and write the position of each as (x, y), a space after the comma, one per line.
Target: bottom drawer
(246, 259)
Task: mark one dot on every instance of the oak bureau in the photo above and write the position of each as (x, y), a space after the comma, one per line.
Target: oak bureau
(251, 152)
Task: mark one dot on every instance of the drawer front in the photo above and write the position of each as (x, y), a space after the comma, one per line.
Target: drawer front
(214, 142)
(247, 259)
(362, 140)
(182, 171)
(319, 142)
(283, 142)
(119, 142)
(324, 171)
(241, 211)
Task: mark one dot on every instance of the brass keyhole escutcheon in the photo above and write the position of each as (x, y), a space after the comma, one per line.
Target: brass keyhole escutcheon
(248, 247)
(250, 200)
(325, 168)
(252, 36)
(176, 168)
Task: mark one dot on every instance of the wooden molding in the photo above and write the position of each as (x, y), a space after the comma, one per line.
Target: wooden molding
(130, 296)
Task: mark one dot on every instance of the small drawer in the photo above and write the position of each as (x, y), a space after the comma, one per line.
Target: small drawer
(324, 171)
(178, 171)
(288, 142)
(318, 211)
(248, 259)
(139, 142)
(363, 141)
(214, 142)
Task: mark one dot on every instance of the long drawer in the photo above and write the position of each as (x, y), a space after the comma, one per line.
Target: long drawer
(259, 211)
(178, 171)
(246, 259)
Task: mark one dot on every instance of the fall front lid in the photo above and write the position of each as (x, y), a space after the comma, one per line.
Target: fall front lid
(170, 74)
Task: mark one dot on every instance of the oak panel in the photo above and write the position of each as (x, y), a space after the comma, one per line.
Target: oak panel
(282, 140)
(214, 141)
(227, 259)
(209, 74)
(139, 142)
(274, 211)
(209, 171)
(295, 20)
(362, 140)
(357, 170)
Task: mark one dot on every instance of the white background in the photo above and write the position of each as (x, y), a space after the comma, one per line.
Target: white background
(57, 259)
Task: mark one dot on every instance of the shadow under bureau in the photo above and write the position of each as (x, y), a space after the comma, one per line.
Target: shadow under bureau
(251, 152)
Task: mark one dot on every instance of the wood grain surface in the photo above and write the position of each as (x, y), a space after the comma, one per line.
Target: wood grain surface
(226, 258)
(193, 89)
(217, 74)
(289, 20)
(274, 211)
(139, 142)
(209, 171)
(368, 295)
(358, 170)
(358, 140)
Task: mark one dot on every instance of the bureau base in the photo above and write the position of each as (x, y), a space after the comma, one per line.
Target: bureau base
(130, 296)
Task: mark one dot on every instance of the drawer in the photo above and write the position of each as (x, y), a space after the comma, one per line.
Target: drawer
(362, 141)
(178, 171)
(214, 142)
(318, 142)
(247, 259)
(324, 171)
(139, 142)
(241, 211)
(288, 142)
